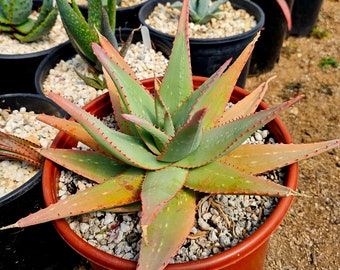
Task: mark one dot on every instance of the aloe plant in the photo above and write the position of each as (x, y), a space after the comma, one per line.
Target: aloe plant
(15, 20)
(171, 145)
(82, 32)
(202, 11)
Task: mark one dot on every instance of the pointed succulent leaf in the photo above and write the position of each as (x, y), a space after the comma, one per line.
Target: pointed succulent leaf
(245, 106)
(95, 81)
(286, 12)
(89, 164)
(12, 146)
(25, 28)
(221, 140)
(186, 139)
(128, 208)
(72, 128)
(158, 188)
(159, 137)
(41, 29)
(188, 108)
(163, 237)
(15, 12)
(111, 12)
(215, 93)
(219, 178)
(123, 125)
(125, 187)
(164, 120)
(136, 100)
(78, 30)
(106, 29)
(117, 104)
(174, 92)
(126, 148)
(259, 158)
(94, 14)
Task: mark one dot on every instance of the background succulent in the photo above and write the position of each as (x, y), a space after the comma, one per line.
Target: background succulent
(202, 11)
(15, 19)
(172, 145)
(101, 18)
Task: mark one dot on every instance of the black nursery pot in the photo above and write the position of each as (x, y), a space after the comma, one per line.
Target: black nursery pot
(304, 16)
(207, 55)
(127, 17)
(17, 70)
(268, 47)
(29, 248)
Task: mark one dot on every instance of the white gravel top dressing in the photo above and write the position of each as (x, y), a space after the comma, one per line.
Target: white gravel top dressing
(230, 22)
(14, 173)
(56, 36)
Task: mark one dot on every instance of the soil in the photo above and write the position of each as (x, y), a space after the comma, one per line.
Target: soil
(309, 236)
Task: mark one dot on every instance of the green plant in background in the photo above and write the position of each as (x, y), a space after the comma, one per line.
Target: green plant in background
(202, 11)
(319, 33)
(15, 20)
(82, 32)
(171, 146)
(327, 62)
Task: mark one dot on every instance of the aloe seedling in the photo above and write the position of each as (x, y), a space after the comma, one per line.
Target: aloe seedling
(171, 145)
(15, 20)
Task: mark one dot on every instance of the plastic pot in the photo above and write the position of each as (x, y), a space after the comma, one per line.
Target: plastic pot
(207, 55)
(127, 17)
(22, 66)
(268, 47)
(304, 15)
(248, 255)
(26, 248)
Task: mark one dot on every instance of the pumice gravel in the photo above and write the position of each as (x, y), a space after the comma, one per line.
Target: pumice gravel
(22, 123)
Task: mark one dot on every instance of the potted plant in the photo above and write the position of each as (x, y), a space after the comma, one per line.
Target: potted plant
(173, 144)
(31, 35)
(23, 194)
(275, 30)
(207, 54)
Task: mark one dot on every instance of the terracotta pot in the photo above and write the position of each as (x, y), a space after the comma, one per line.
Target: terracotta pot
(248, 255)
